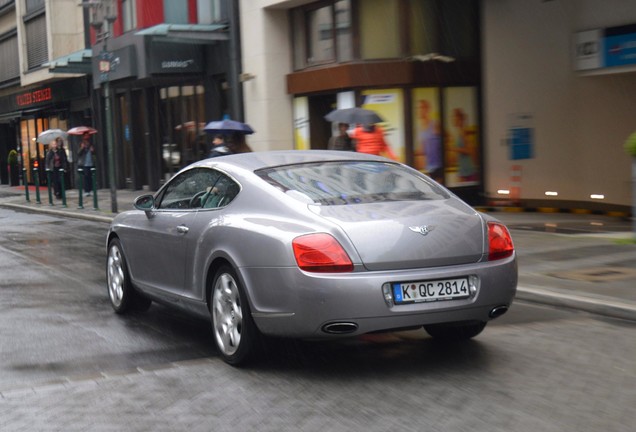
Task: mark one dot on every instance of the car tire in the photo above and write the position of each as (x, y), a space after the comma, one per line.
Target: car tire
(452, 332)
(121, 293)
(235, 333)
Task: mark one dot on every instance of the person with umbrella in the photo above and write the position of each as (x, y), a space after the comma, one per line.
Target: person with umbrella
(219, 148)
(342, 141)
(236, 130)
(55, 161)
(86, 160)
(370, 139)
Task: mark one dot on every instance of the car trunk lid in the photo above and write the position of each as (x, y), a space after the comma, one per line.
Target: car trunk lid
(410, 234)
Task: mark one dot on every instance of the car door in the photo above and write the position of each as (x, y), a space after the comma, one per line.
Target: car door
(158, 256)
(201, 240)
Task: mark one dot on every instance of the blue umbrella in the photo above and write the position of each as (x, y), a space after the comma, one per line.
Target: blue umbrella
(228, 126)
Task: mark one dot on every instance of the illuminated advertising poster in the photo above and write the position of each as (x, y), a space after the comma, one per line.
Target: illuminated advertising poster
(461, 143)
(301, 123)
(427, 133)
(388, 103)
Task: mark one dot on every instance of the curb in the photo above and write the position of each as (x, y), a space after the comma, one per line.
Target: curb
(600, 306)
(63, 213)
(516, 209)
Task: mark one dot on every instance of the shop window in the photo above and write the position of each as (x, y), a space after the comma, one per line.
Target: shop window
(459, 34)
(175, 12)
(424, 27)
(129, 14)
(320, 44)
(9, 68)
(34, 5)
(322, 33)
(182, 111)
(344, 37)
(211, 11)
(379, 29)
(5, 3)
(37, 48)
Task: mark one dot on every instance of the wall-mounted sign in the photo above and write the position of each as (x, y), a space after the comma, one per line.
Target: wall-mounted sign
(521, 136)
(620, 46)
(175, 58)
(114, 65)
(588, 53)
(41, 96)
(605, 48)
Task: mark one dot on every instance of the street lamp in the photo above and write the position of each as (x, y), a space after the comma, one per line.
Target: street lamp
(105, 12)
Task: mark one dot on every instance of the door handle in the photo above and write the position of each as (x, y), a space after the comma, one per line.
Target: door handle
(182, 229)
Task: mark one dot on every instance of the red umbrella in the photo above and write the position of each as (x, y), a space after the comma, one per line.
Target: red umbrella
(81, 130)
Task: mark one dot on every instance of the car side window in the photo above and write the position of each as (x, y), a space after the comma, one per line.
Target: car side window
(222, 193)
(185, 191)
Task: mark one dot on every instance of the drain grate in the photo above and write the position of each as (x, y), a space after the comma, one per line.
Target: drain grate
(597, 274)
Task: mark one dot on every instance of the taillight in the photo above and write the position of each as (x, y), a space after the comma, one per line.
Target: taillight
(499, 242)
(321, 253)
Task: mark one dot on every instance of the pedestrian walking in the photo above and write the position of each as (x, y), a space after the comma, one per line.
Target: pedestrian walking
(342, 141)
(238, 143)
(86, 161)
(219, 148)
(370, 139)
(55, 161)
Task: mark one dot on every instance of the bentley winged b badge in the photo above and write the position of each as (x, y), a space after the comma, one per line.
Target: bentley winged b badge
(424, 229)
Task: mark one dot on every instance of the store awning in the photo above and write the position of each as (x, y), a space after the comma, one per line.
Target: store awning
(197, 33)
(78, 62)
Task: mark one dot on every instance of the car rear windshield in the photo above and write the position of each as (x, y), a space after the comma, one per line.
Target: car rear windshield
(352, 182)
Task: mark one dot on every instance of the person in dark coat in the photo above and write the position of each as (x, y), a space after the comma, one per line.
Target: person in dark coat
(342, 141)
(54, 162)
(219, 148)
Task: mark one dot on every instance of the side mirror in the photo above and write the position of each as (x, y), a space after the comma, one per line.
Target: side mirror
(145, 203)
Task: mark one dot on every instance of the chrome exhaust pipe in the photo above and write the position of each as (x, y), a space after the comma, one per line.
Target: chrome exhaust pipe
(340, 327)
(498, 311)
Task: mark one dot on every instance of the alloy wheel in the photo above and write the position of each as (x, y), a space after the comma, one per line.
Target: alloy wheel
(227, 314)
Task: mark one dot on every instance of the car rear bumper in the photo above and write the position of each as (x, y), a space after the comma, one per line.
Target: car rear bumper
(293, 303)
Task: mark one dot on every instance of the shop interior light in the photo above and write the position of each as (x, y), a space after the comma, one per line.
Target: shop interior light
(503, 192)
(551, 193)
(597, 196)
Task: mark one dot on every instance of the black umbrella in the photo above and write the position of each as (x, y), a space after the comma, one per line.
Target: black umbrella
(354, 115)
(228, 126)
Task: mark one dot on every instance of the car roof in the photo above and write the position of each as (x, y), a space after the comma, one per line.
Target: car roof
(263, 159)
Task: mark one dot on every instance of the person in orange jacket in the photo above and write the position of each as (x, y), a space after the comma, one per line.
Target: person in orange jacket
(370, 139)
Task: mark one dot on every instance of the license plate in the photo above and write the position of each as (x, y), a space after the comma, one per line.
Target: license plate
(435, 290)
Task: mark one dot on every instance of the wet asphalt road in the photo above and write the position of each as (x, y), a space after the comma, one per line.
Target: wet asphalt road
(69, 363)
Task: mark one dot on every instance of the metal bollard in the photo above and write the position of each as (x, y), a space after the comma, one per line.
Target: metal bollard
(48, 185)
(36, 177)
(63, 186)
(81, 188)
(94, 181)
(26, 184)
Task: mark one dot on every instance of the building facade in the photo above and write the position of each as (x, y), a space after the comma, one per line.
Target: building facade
(32, 98)
(517, 119)
(501, 100)
(169, 66)
(169, 72)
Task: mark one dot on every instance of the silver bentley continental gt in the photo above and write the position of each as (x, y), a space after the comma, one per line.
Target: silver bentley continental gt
(311, 244)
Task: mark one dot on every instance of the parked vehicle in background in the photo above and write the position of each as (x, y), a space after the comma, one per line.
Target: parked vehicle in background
(311, 244)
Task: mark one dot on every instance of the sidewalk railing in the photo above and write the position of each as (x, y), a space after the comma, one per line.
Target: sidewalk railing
(51, 187)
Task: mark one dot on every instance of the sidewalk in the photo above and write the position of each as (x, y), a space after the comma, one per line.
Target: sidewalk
(579, 261)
